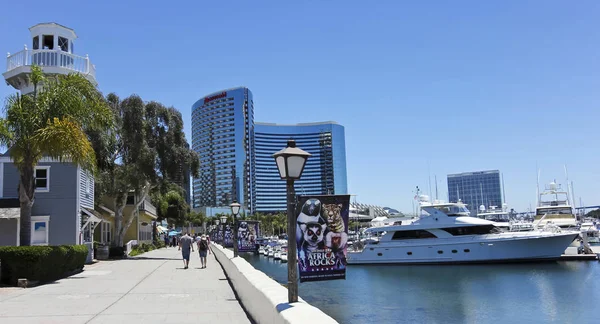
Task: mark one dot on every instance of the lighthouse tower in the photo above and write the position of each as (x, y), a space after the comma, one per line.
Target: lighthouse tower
(51, 47)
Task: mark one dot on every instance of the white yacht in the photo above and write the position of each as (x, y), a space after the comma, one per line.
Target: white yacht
(271, 252)
(277, 253)
(447, 234)
(500, 217)
(554, 207)
(591, 231)
(261, 250)
(284, 256)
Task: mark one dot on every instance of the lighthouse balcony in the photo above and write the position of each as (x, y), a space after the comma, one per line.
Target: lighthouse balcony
(18, 65)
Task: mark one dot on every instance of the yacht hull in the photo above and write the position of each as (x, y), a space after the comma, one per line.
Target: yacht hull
(507, 247)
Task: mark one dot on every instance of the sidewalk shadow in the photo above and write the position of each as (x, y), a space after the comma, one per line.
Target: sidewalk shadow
(148, 258)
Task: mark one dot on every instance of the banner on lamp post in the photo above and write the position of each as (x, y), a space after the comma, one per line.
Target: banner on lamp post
(228, 239)
(322, 236)
(247, 233)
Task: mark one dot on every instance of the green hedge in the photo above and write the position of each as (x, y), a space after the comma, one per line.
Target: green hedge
(40, 263)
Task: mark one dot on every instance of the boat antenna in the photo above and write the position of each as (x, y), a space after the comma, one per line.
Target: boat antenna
(481, 191)
(537, 202)
(429, 176)
(436, 190)
(569, 190)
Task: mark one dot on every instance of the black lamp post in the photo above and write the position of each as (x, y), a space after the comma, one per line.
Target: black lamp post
(223, 222)
(217, 221)
(290, 163)
(235, 210)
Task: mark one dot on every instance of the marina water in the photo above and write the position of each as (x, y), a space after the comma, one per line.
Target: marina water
(550, 292)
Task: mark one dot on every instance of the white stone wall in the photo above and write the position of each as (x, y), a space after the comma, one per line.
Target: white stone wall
(264, 298)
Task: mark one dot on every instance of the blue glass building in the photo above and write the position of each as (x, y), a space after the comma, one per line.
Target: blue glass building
(222, 134)
(476, 189)
(325, 170)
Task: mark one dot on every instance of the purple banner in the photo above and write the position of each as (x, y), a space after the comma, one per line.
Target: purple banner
(247, 233)
(228, 242)
(322, 236)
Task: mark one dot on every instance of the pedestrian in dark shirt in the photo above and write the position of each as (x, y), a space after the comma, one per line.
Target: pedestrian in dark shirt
(185, 244)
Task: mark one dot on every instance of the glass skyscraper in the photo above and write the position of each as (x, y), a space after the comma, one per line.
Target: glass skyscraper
(476, 189)
(222, 134)
(325, 170)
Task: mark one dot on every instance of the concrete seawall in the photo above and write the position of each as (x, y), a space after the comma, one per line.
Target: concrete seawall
(263, 298)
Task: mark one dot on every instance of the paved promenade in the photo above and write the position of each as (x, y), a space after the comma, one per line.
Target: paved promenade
(152, 288)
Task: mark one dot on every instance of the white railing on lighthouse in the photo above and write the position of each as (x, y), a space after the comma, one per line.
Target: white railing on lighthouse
(52, 58)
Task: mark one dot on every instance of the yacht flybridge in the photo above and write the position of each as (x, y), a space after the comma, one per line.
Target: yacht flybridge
(554, 207)
(445, 233)
(500, 217)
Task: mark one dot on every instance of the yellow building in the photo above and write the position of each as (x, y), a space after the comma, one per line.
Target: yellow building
(141, 227)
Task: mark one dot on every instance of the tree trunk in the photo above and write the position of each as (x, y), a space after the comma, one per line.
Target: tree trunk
(119, 206)
(26, 199)
(125, 222)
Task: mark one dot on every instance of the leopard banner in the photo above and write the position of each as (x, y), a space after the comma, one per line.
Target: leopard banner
(322, 236)
(247, 232)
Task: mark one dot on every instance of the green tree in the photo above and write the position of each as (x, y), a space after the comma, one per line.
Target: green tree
(142, 152)
(51, 122)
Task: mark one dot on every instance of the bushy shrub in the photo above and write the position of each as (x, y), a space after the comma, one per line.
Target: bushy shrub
(40, 263)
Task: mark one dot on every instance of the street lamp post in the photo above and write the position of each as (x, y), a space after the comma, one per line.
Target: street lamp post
(217, 229)
(290, 163)
(235, 210)
(223, 222)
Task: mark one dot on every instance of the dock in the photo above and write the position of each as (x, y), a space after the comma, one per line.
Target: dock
(571, 254)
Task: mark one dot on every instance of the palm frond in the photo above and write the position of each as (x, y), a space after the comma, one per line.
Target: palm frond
(65, 140)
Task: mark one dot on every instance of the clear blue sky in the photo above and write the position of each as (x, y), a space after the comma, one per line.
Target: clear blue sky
(434, 88)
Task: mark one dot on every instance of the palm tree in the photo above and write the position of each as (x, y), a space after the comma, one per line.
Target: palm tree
(51, 122)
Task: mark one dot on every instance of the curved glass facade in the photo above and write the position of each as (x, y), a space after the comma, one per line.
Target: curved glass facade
(222, 134)
(325, 170)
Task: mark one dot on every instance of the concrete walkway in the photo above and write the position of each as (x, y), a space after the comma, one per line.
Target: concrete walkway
(152, 288)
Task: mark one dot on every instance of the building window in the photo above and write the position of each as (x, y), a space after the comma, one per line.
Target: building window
(42, 178)
(411, 235)
(39, 230)
(63, 43)
(145, 232)
(36, 42)
(130, 199)
(105, 229)
(48, 42)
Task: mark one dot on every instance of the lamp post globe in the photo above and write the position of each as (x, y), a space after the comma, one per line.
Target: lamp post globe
(235, 210)
(223, 222)
(290, 163)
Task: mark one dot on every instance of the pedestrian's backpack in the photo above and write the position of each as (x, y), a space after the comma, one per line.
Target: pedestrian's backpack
(203, 245)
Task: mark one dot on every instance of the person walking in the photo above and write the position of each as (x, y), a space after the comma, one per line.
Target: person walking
(203, 250)
(185, 244)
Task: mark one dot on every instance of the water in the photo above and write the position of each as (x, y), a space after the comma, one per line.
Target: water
(559, 292)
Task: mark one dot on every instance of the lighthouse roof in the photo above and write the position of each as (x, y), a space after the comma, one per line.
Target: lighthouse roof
(47, 25)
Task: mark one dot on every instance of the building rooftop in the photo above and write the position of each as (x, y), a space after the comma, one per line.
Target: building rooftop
(473, 173)
(299, 124)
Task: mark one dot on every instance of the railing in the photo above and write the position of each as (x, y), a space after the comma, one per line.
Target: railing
(147, 206)
(51, 58)
(129, 246)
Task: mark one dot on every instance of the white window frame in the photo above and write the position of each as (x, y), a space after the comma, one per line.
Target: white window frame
(105, 228)
(47, 168)
(35, 219)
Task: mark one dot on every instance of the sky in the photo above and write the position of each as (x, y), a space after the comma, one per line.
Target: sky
(423, 89)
